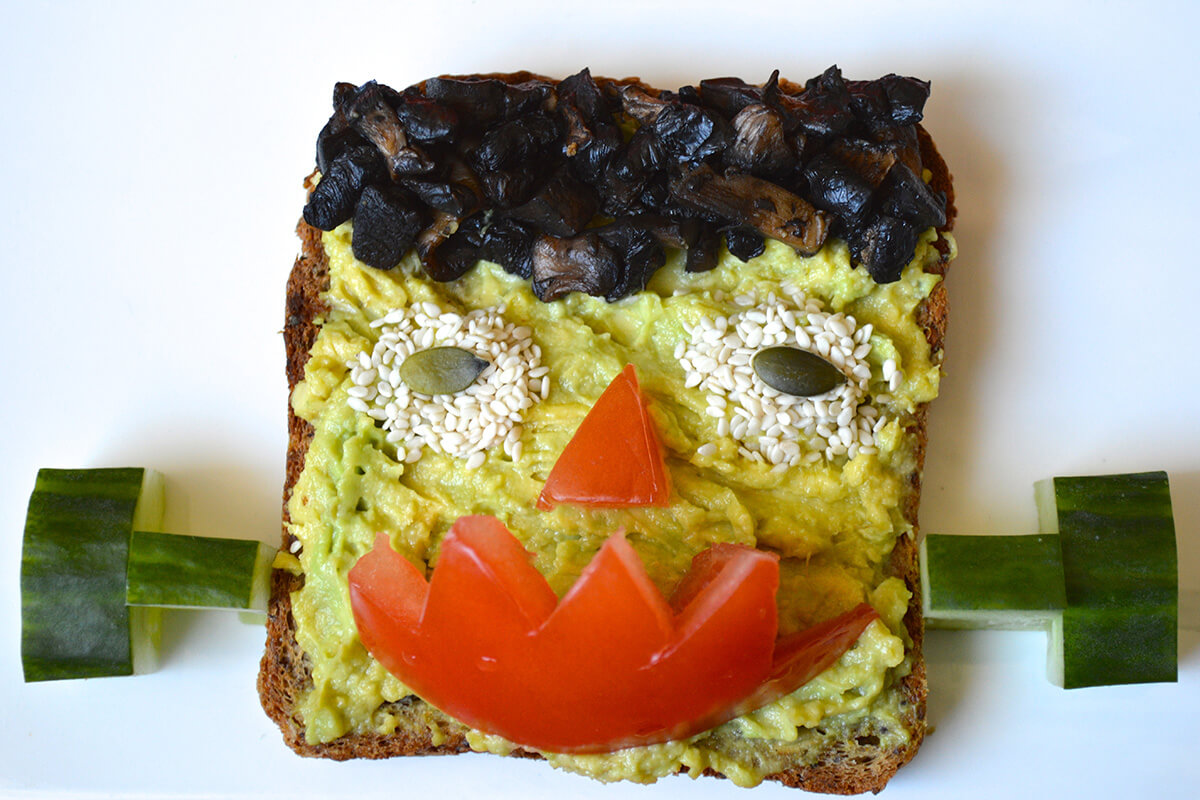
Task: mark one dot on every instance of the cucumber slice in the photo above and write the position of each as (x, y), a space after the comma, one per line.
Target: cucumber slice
(1121, 578)
(178, 571)
(1000, 582)
(74, 621)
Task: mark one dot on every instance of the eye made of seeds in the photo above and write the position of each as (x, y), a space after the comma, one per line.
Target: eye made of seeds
(441, 370)
(796, 372)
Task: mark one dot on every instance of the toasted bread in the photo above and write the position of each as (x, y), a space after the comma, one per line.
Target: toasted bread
(840, 765)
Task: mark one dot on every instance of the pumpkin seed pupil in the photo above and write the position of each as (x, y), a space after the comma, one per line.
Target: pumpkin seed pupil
(796, 372)
(441, 370)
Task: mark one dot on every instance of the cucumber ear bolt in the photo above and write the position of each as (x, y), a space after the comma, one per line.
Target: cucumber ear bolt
(1101, 578)
(95, 576)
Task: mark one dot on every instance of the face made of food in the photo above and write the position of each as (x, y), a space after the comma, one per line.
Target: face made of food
(817, 480)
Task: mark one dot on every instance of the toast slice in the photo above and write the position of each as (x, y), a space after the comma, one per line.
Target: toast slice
(853, 756)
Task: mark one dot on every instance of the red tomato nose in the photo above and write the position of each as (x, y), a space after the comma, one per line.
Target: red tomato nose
(614, 459)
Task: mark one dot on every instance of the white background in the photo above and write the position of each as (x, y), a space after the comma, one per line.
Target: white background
(151, 160)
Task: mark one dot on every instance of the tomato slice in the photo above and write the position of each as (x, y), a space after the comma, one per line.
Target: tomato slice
(611, 665)
(614, 459)
(805, 654)
(387, 594)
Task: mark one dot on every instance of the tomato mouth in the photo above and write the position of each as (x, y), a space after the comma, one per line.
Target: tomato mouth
(613, 664)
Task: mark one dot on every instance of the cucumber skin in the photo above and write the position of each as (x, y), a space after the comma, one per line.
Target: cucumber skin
(1121, 571)
(1118, 539)
(176, 570)
(988, 574)
(1111, 646)
(74, 620)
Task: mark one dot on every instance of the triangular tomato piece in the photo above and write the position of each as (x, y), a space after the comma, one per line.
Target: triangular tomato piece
(614, 459)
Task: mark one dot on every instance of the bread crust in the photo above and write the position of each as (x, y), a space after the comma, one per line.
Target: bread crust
(284, 673)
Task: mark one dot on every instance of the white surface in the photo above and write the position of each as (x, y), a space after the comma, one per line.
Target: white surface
(149, 185)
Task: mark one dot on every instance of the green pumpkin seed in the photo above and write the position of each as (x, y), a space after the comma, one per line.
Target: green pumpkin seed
(441, 370)
(796, 372)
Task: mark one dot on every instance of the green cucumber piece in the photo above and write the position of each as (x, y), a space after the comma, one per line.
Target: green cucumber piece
(1121, 578)
(177, 571)
(74, 621)
(999, 582)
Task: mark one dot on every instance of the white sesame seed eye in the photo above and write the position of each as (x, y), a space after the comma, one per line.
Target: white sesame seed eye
(767, 425)
(467, 424)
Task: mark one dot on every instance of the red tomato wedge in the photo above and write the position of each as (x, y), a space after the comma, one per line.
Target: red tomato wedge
(614, 459)
(611, 665)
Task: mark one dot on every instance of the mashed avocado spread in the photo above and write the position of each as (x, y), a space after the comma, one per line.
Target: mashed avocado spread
(833, 521)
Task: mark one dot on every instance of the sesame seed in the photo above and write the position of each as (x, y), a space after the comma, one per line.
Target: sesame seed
(717, 356)
(458, 424)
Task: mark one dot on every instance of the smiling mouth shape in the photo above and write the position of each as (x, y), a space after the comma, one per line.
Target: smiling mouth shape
(613, 664)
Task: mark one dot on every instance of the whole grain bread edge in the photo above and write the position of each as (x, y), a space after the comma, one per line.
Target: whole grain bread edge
(849, 767)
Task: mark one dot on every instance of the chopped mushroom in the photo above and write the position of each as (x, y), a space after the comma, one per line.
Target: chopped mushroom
(333, 200)
(372, 114)
(773, 210)
(430, 241)
(640, 104)
(760, 146)
(385, 226)
(523, 172)
(583, 263)
(838, 189)
(562, 207)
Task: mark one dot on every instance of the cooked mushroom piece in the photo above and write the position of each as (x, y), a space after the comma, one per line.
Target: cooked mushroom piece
(515, 142)
(337, 134)
(563, 206)
(636, 241)
(385, 225)
(704, 250)
(759, 145)
(482, 101)
(373, 115)
(870, 160)
(888, 102)
(583, 263)
(906, 98)
(642, 155)
(744, 243)
(508, 188)
(447, 196)
(908, 197)
(591, 137)
(332, 201)
(729, 96)
(771, 209)
(429, 244)
(836, 188)
(425, 120)
(691, 133)
(509, 243)
(526, 97)
(640, 104)
(593, 151)
(885, 246)
(630, 169)
(581, 93)
(823, 108)
(478, 100)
